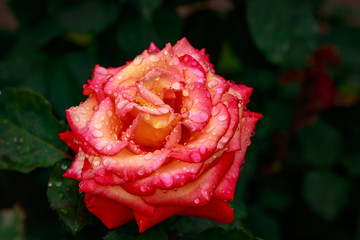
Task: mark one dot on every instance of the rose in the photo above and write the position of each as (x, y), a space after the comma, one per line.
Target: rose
(162, 135)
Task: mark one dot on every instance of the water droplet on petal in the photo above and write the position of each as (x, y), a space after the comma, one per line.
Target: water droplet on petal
(222, 118)
(142, 188)
(220, 90)
(97, 133)
(163, 110)
(148, 156)
(195, 156)
(166, 179)
(154, 58)
(202, 149)
(176, 86)
(76, 118)
(96, 163)
(98, 126)
(138, 60)
(196, 200)
(212, 84)
(185, 92)
(109, 113)
(141, 171)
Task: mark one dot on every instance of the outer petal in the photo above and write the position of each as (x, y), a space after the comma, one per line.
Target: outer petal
(197, 193)
(217, 210)
(226, 188)
(232, 104)
(69, 138)
(203, 144)
(161, 213)
(111, 213)
(117, 194)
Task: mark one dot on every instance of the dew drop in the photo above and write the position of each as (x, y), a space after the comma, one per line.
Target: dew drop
(222, 118)
(148, 156)
(76, 118)
(196, 200)
(58, 184)
(63, 166)
(138, 60)
(185, 92)
(109, 113)
(142, 188)
(98, 126)
(176, 86)
(97, 133)
(96, 163)
(154, 58)
(141, 171)
(196, 101)
(163, 110)
(212, 84)
(195, 156)
(202, 149)
(220, 90)
(166, 52)
(166, 179)
(50, 184)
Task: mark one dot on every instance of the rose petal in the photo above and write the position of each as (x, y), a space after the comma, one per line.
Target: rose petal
(75, 170)
(151, 131)
(202, 144)
(111, 213)
(142, 64)
(69, 138)
(193, 71)
(241, 91)
(117, 194)
(173, 175)
(196, 193)
(225, 189)
(232, 104)
(128, 165)
(103, 130)
(197, 106)
(217, 210)
(183, 47)
(161, 213)
(217, 86)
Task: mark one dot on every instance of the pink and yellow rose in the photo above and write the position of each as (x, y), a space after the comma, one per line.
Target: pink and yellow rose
(162, 135)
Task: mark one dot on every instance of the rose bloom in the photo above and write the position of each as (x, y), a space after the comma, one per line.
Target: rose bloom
(162, 135)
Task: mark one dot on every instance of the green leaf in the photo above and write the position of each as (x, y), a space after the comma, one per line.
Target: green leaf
(321, 144)
(126, 232)
(285, 31)
(63, 195)
(12, 223)
(28, 132)
(89, 17)
(326, 193)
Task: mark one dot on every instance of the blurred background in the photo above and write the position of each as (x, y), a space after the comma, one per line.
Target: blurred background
(302, 172)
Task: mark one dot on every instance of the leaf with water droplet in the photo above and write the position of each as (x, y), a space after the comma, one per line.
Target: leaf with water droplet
(28, 132)
(63, 195)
